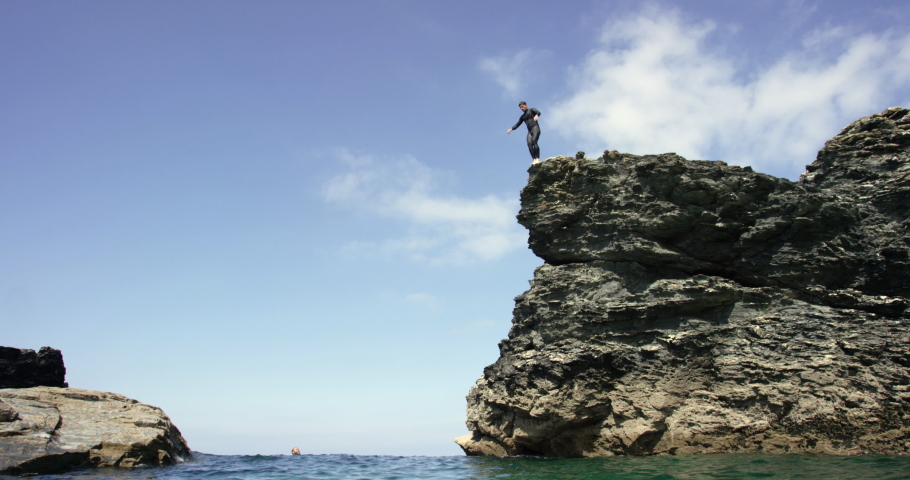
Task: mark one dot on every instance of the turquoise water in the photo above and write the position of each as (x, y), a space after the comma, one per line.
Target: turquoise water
(351, 467)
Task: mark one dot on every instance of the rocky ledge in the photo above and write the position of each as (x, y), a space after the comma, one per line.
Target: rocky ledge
(699, 307)
(50, 429)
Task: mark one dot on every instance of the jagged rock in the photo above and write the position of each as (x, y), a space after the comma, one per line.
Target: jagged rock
(698, 307)
(23, 368)
(48, 429)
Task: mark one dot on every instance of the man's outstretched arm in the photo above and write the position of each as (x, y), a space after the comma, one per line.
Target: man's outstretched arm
(520, 119)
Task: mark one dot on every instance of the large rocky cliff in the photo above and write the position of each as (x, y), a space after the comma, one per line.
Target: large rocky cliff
(698, 307)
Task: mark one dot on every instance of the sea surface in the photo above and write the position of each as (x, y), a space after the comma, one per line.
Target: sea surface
(345, 467)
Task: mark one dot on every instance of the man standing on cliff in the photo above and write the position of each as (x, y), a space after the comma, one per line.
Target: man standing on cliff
(530, 116)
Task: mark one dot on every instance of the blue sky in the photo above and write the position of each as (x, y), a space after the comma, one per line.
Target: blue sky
(292, 223)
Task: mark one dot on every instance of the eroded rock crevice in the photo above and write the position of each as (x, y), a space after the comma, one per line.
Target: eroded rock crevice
(700, 307)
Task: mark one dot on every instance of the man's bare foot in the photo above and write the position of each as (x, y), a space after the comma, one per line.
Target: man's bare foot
(536, 160)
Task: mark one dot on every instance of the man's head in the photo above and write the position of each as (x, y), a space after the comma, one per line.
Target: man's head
(523, 106)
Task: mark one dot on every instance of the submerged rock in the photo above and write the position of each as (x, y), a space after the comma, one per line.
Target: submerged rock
(699, 307)
(48, 429)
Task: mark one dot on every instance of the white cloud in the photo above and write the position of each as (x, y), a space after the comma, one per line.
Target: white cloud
(508, 71)
(424, 299)
(654, 86)
(438, 228)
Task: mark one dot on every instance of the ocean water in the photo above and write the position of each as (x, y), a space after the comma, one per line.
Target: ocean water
(351, 467)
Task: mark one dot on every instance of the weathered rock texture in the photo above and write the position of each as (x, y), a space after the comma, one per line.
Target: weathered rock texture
(23, 368)
(698, 307)
(48, 429)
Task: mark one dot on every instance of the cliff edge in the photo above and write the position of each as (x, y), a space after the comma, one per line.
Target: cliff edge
(698, 307)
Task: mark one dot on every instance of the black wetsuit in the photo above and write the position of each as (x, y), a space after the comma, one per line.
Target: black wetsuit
(533, 130)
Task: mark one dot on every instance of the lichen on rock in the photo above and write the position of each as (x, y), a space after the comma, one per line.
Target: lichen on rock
(690, 306)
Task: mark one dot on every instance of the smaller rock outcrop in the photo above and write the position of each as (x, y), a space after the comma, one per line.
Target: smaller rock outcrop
(49, 429)
(23, 368)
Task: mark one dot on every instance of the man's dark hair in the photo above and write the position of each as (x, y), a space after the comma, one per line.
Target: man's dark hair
(522, 103)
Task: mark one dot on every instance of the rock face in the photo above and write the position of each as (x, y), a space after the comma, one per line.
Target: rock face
(22, 368)
(48, 429)
(698, 307)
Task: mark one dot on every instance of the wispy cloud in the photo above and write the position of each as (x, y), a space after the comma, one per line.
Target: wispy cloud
(424, 299)
(438, 228)
(654, 86)
(509, 71)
